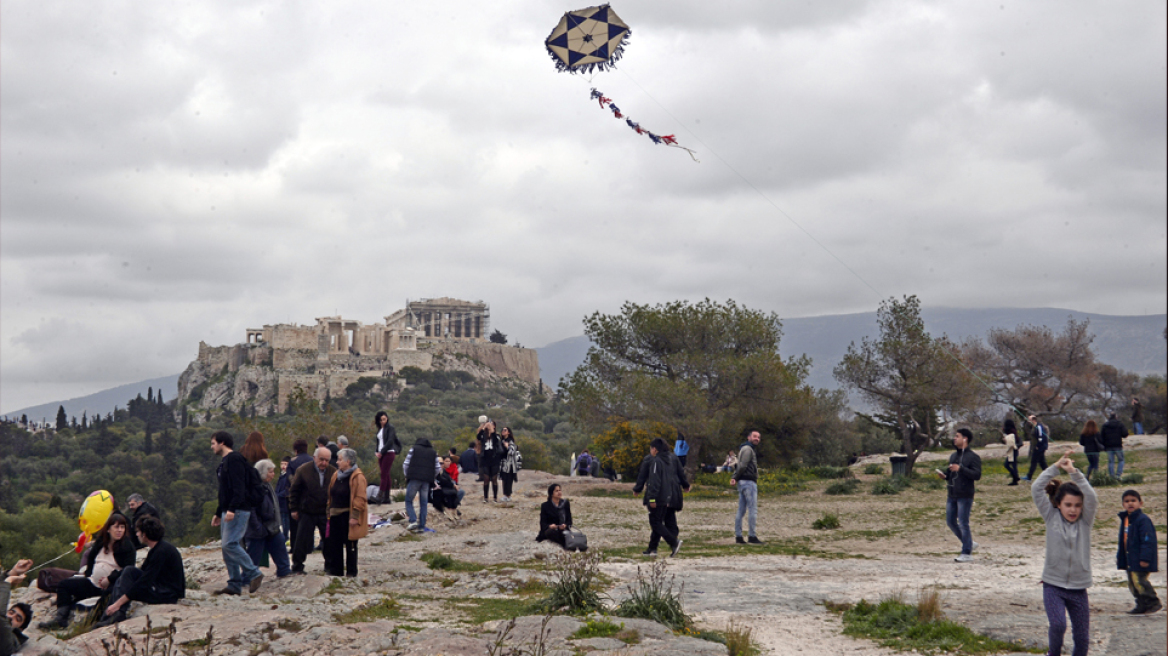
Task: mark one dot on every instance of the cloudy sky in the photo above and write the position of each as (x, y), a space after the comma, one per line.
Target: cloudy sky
(176, 172)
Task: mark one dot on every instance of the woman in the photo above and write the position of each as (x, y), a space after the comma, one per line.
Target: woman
(348, 515)
(1069, 512)
(555, 516)
(264, 534)
(1092, 445)
(1010, 437)
(388, 446)
(731, 462)
(490, 459)
(111, 550)
(254, 449)
(512, 463)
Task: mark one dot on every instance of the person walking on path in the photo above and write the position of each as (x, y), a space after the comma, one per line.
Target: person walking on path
(490, 460)
(1112, 434)
(1039, 442)
(1137, 553)
(681, 449)
(964, 469)
(1010, 437)
(232, 515)
(512, 463)
(388, 446)
(1137, 417)
(1069, 512)
(746, 479)
(421, 467)
(308, 501)
(1092, 444)
(348, 514)
(664, 483)
(264, 532)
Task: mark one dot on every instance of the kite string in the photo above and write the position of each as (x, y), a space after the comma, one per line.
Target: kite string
(798, 225)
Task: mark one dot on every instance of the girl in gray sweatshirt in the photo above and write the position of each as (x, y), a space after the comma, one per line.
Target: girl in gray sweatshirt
(1069, 512)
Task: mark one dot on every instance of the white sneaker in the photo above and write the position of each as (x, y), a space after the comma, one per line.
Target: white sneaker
(412, 527)
(974, 547)
(964, 558)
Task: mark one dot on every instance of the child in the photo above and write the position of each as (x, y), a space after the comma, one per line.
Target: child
(1069, 512)
(1137, 553)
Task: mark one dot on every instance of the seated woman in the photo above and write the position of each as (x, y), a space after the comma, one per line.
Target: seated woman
(112, 550)
(730, 464)
(555, 516)
(162, 579)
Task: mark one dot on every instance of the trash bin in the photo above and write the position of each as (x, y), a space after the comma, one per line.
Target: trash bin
(899, 465)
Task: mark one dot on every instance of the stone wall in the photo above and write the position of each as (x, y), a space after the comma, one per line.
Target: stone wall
(284, 336)
(294, 359)
(508, 361)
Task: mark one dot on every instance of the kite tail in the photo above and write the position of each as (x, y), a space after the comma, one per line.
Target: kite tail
(666, 139)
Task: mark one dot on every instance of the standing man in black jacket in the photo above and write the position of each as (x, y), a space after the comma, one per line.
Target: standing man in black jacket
(1039, 442)
(1111, 433)
(232, 516)
(141, 508)
(308, 501)
(421, 467)
(161, 580)
(964, 469)
(664, 481)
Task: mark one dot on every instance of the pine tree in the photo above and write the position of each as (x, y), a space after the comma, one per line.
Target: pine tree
(62, 419)
(148, 442)
(84, 421)
(150, 394)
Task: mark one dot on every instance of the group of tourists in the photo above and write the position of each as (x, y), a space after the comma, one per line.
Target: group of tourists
(1094, 439)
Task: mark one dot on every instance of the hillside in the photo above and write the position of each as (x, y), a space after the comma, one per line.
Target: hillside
(102, 402)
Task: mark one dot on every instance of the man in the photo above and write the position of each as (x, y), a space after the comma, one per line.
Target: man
(161, 579)
(333, 448)
(1137, 417)
(1039, 441)
(964, 468)
(583, 463)
(1111, 434)
(664, 481)
(140, 508)
(421, 468)
(746, 479)
(681, 449)
(468, 462)
(300, 448)
(232, 515)
(16, 618)
(308, 501)
(388, 446)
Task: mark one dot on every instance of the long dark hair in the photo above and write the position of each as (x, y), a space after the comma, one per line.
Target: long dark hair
(377, 418)
(552, 489)
(103, 537)
(1056, 490)
(1008, 427)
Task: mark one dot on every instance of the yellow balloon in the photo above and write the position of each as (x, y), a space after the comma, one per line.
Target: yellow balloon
(95, 511)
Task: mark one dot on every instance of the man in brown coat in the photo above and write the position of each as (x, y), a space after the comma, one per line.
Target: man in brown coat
(308, 501)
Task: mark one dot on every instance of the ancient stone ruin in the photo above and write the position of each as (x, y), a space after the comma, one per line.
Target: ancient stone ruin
(257, 375)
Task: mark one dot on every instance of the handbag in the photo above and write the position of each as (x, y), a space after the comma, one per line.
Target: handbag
(575, 540)
(50, 577)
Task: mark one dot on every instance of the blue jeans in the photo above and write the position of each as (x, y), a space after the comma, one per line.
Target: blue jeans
(421, 489)
(957, 517)
(747, 502)
(274, 545)
(1112, 456)
(285, 524)
(1137, 428)
(240, 569)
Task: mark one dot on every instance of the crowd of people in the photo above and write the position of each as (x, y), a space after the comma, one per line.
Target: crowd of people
(323, 499)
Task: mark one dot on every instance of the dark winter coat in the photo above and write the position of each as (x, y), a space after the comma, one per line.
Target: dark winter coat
(469, 461)
(492, 451)
(265, 520)
(1090, 443)
(961, 481)
(1141, 544)
(665, 481)
(163, 571)
(389, 442)
(283, 488)
(308, 494)
(1112, 433)
(124, 555)
(419, 464)
(142, 511)
(297, 462)
(233, 475)
(549, 516)
(1040, 439)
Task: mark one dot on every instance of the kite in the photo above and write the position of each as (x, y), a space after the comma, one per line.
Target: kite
(592, 39)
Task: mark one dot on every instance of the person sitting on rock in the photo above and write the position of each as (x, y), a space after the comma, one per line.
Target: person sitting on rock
(161, 580)
(17, 617)
(112, 550)
(555, 516)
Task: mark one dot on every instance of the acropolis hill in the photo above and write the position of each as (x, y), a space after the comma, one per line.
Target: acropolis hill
(257, 375)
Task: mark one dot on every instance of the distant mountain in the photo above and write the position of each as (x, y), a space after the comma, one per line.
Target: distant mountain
(1131, 343)
(102, 402)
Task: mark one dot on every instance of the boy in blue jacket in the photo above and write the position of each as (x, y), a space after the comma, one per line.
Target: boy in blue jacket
(1137, 553)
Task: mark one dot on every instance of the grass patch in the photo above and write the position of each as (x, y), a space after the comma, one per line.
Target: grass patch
(408, 537)
(481, 610)
(337, 584)
(384, 608)
(446, 563)
(531, 587)
(848, 486)
(828, 521)
(573, 584)
(652, 597)
(707, 547)
(873, 468)
(291, 626)
(739, 641)
(920, 628)
(894, 484)
(597, 629)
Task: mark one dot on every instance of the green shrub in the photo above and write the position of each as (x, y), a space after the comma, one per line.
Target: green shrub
(904, 627)
(1103, 479)
(739, 641)
(1132, 479)
(828, 472)
(384, 608)
(444, 562)
(652, 597)
(572, 579)
(828, 521)
(848, 486)
(873, 468)
(891, 485)
(597, 629)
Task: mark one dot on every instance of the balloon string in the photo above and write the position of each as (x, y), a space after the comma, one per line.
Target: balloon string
(51, 561)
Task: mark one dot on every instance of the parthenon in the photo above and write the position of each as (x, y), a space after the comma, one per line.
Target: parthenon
(444, 319)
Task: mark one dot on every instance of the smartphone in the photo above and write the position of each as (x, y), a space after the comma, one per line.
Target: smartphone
(940, 473)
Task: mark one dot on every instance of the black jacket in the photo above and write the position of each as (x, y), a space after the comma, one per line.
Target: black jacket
(389, 442)
(1112, 433)
(298, 462)
(665, 481)
(162, 572)
(961, 481)
(1090, 443)
(125, 555)
(549, 516)
(307, 494)
(142, 511)
(490, 457)
(233, 474)
(469, 461)
(420, 462)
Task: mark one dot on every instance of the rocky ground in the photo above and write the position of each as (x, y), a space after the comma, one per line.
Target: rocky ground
(885, 545)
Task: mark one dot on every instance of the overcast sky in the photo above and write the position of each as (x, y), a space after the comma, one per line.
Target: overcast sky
(176, 172)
